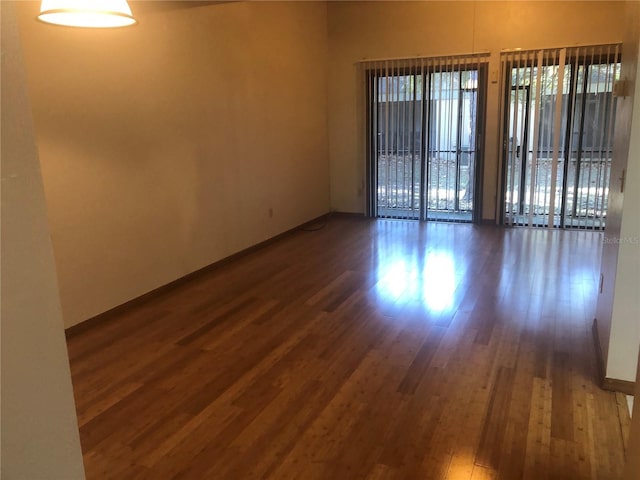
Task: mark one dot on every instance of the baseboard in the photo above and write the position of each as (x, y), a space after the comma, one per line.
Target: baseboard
(349, 214)
(600, 365)
(616, 385)
(607, 383)
(117, 310)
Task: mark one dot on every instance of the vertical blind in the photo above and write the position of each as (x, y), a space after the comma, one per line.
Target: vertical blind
(421, 136)
(558, 118)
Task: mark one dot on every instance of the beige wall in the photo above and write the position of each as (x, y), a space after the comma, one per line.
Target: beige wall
(619, 303)
(163, 146)
(369, 30)
(39, 437)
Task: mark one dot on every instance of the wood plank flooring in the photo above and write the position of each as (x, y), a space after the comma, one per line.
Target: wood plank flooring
(363, 350)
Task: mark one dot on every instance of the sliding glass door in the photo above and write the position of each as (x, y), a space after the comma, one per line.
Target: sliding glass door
(559, 112)
(398, 148)
(450, 187)
(423, 138)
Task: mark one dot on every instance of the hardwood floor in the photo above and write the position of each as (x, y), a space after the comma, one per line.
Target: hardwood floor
(366, 349)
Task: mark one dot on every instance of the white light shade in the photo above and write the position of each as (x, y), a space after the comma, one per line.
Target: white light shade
(87, 13)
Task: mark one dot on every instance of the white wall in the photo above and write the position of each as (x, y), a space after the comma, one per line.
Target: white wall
(618, 307)
(164, 146)
(625, 324)
(632, 466)
(39, 429)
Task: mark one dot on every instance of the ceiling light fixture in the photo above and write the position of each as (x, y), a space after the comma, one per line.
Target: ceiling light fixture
(87, 13)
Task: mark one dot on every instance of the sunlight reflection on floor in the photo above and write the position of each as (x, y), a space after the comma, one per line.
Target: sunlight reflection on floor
(430, 280)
